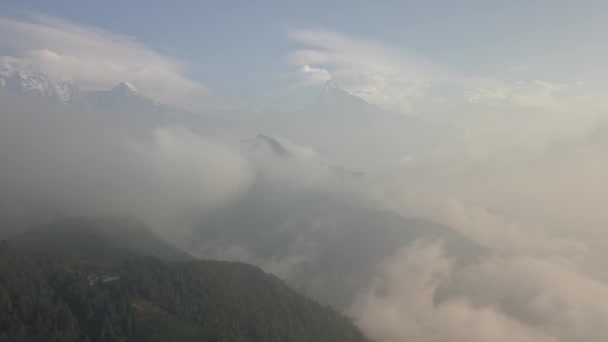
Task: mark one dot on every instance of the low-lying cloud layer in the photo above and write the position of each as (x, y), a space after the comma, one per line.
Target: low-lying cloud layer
(63, 162)
(539, 213)
(402, 304)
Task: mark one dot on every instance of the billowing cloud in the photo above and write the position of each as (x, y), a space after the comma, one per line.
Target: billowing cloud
(96, 59)
(535, 94)
(421, 295)
(401, 305)
(64, 163)
(537, 210)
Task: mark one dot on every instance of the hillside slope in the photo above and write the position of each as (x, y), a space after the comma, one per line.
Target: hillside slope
(322, 245)
(99, 238)
(66, 297)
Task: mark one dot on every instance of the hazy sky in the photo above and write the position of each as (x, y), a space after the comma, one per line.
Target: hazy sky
(246, 49)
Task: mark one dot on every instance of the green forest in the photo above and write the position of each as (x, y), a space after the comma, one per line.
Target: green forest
(48, 295)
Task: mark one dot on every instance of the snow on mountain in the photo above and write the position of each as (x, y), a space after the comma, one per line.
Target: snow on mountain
(126, 88)
(122, 105)
(23, 79)
(27, 80)
(123, 93)
(333, 94)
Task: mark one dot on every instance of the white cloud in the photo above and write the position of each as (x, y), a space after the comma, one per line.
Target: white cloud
(502, 298)
(381, 74)
(64, 162)
(96, 59)
(401, 305)
(307, 76)
(533, 94)
(536, 207)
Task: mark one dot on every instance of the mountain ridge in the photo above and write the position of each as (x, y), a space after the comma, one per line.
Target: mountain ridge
(126, 236)
(333, 94)
(26, 79)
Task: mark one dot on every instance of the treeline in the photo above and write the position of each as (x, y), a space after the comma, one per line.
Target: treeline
(232, 301)
(47, 298)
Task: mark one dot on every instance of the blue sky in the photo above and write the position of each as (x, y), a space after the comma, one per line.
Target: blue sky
(241, 48)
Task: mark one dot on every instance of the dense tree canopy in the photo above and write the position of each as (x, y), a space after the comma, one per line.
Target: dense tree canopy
(69, 296)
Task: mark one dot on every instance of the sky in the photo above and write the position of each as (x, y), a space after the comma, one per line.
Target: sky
(245, 50)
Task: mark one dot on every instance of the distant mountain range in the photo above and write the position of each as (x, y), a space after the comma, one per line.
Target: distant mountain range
(339, 125)
(123, 105)
(28, 80)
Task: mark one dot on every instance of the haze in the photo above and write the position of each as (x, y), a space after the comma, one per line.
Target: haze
(436, 171)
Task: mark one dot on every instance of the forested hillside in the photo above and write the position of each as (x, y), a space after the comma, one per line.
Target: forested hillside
(99, 238)
(53, 296)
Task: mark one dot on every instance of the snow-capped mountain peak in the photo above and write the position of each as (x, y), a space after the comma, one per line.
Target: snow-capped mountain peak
(28, 80)
(25, 79)
(333, 95)
(125, 88)
(9, 68)
(124, 93)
